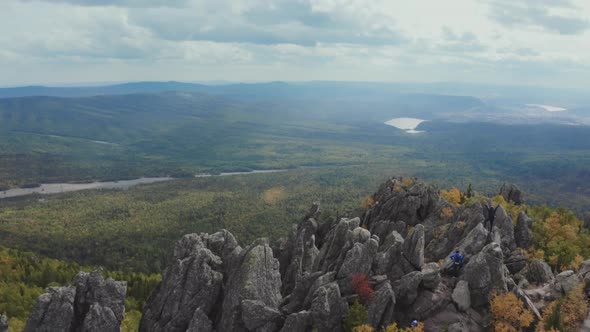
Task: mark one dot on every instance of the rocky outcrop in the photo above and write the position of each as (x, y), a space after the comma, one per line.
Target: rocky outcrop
(566, 281)
(90, 304)
(504, 224)
(193, 281)
(484, 274)
(255, 277)
(516, 261)
(212, 281)
(461, 296)
(328, 308)
(413, 248)
(538, 271)
(512, 193)
(382, 306)
(259, 317)
(54, 310)
(522, 232)
(410, 201)
(406, 289)
(298, 322)
(431, 276)
(400, 248)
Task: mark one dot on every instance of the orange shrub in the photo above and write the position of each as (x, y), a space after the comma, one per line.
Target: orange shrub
(452, 196)
(447, 213)
(509, 313)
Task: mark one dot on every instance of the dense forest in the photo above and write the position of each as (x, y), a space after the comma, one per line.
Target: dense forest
(114, 137)
(24, 276)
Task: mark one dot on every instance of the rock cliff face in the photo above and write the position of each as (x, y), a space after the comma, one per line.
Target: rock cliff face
(90, 304)
(401, 244)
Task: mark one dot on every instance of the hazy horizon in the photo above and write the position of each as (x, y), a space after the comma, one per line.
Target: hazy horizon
(518, 42)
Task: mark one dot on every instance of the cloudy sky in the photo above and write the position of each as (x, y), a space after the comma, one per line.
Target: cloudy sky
(533, 42)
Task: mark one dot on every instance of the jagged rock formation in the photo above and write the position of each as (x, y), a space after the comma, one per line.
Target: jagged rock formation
(401, 244)
(90, 304)
(512, 193)
(522, 232)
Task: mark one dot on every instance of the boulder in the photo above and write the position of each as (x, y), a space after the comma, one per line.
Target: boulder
(192, 281)
(584, 268)
(427, 303)
(566, 281)
(516, 261)
(444, 238)
(413, 247)
(506, 227)
(255, 277)
(538, 271)
(300, 256)
(294, 303)
(328, 308)
(522, 232)
(333, 245)
(430, 276)
(200, 322)
(359, 259)
(382, 306)
(53, 311)
(472, 244)
(101, 318)
(485, 273)
(411, 202)
(298, 322)
(383, 228)
(406, 289)
(260, 318)
(512, 193)
(319, 282)
(91, 304)
(102, 300)
(461, 296)
(389, 254)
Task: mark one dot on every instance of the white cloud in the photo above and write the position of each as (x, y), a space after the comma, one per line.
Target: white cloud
(538, 41)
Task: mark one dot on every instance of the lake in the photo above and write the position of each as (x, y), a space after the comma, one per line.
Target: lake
(408, 125)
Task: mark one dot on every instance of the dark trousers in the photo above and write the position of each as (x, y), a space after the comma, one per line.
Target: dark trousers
(456, 268)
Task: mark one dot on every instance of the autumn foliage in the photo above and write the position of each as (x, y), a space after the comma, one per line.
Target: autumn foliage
(509, 313)
(361, 286)
(452, 196)
(558, 234)
(363, 328)
(394, 328)
(447, 213)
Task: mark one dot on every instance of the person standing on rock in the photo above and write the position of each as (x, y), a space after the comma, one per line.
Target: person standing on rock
(491, 212)
(457, 259)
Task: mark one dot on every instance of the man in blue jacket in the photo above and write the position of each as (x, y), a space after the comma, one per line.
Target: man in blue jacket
(457, 259)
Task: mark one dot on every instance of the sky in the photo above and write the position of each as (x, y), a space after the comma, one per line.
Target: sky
(517, 42)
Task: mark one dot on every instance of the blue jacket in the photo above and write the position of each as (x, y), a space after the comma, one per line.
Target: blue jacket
(457, 258)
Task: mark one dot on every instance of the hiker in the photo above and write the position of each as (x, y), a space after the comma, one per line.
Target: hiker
(414, 324)
(491, 215)
(457, 259)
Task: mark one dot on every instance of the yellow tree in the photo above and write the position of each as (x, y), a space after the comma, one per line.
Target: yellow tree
(509, 313)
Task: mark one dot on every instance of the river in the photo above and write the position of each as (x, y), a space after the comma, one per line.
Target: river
(56, 188)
